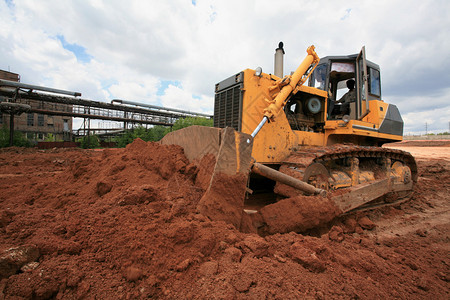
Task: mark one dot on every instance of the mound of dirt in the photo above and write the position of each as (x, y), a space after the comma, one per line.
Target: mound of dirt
(124, 224)
(298, 214)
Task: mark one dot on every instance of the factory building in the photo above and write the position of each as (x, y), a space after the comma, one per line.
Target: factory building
(37, 126)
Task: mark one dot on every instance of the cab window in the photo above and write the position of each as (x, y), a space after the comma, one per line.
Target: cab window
(341, 88)
(319, 76)
(340, 73)
(374, 82)
(343, 67)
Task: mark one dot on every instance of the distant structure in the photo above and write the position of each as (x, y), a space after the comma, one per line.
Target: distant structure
(36, 126)
(39, 111)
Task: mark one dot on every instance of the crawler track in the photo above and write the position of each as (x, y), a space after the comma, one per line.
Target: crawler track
(335, 158)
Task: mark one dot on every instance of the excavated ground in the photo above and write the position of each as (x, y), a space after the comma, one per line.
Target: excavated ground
(122, 224)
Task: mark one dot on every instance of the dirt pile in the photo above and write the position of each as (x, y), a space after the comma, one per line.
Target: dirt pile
(290, 214)
(123, 224)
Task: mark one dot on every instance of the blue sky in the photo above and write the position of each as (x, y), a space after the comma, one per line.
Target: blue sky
(173, 52)
(79, 51)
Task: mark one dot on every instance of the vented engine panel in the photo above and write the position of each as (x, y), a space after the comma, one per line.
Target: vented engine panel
(228, 102)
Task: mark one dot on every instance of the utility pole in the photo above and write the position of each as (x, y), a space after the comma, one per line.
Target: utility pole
(426, 128)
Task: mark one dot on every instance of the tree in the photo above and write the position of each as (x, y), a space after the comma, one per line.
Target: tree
(90, 141)
(157, 132)
(153, 134)
(189, 121)
(50, 138)
(19, 139)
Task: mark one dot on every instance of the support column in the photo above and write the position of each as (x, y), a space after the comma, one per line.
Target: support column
(11, 129)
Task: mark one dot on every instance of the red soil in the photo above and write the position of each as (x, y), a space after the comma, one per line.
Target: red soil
(124, 224)
(298, 214)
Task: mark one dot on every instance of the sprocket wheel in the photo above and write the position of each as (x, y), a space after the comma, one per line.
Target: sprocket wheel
(317, 175)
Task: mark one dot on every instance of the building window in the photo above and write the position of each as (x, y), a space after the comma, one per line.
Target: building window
(66, 125)
(30, 119)
(40, 120)
(50, 121)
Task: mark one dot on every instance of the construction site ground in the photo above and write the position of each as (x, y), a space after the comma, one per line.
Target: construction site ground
(123, 224)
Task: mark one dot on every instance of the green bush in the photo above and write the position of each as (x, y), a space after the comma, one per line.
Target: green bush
(186, 122)
(19, 139)
(50, 137)
(157, 132)
(90, 142)
(153, 134)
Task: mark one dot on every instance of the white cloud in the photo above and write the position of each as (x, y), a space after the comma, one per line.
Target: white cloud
(178, 98)
(135, 46)
(430, 121)
(140, 90)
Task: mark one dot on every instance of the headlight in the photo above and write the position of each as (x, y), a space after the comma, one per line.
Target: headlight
(314, 105)
(346, 118)
(258, 71)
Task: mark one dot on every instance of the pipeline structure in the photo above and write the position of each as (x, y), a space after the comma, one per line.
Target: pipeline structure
(16, 98)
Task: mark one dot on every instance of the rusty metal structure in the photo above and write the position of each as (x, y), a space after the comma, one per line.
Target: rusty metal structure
(17, 98)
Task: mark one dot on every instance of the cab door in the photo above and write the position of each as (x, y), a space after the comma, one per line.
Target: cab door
(362, 86)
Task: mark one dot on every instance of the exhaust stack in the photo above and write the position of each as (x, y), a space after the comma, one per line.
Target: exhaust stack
(279, 53)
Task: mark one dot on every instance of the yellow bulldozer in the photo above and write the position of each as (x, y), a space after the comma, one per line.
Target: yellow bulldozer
(293, 152)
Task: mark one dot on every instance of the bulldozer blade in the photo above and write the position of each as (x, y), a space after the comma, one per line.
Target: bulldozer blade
(224, 198)
(197, 141)
(225, 195)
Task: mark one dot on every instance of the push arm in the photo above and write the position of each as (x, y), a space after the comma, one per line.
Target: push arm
(287, 86)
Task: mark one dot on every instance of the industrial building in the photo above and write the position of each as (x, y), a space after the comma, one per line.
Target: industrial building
(38, 126)
(43, 112)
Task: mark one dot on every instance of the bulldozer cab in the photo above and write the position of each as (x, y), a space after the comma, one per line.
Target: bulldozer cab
(333, 75)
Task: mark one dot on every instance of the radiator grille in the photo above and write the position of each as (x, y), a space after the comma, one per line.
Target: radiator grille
(228, 108)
